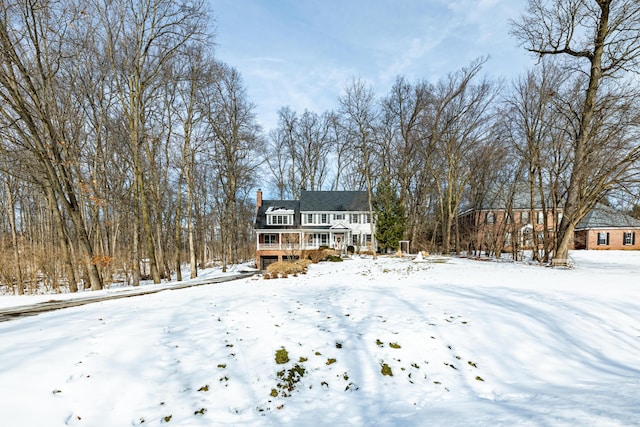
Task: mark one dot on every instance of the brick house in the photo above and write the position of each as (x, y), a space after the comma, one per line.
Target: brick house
(498, 229)
(606, 228)
(333, 219)
(495, 229)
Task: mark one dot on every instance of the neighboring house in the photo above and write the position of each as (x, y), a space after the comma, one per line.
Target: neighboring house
(497, 229)
(333, 219)
(606, 228)
(492, 228)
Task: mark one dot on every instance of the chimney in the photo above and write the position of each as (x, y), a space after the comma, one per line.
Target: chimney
(259, 199)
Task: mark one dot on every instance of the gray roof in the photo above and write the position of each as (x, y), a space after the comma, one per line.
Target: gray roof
(333, 201)
(603, 216)
(261, 217)
(498, 198)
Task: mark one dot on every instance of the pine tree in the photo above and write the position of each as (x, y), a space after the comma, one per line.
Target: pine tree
(391, 220)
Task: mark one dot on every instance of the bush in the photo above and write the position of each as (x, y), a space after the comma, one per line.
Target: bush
(285, 268)
(315, 256)
(334, 258)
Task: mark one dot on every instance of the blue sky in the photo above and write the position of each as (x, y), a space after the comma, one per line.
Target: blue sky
(302, 53)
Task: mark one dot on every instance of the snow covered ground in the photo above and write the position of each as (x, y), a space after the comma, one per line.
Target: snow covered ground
(390, 342)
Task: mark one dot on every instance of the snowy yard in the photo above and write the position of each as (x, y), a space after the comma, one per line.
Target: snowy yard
(390, 342)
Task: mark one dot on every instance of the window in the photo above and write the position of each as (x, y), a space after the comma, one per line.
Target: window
(491, 218)
(353, 218)
(339, 217)
(367, 219)
(270, 239)
(354, 240)
(367, 238)
(603, 238)
(324, 219)
(318, 239)
(278, 220)
(524, 217)
(629, 238)
(309, 218)
(540, 218)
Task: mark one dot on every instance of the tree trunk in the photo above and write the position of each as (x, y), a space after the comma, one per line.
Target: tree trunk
(572, 209)
(178, 231)
(11, 213)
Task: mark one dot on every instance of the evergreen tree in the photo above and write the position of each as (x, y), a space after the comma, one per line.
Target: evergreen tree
(390, 221)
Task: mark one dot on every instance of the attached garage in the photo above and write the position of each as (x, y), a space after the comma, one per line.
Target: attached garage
(267, 260)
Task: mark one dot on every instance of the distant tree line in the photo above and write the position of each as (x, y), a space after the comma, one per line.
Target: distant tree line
(566, 133)
(126, 147)
(127, 150)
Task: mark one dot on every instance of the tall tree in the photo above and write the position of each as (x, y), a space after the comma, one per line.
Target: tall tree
(460, 124)
(141, 39)
(36, 87)
(533, 119)
(390, 216)
(235, 137)
(600, 39)
(359, 120)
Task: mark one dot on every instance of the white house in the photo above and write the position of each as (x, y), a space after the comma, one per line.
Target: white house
(333, 219)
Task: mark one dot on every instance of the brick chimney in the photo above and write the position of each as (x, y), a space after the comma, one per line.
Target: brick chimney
(259, 199)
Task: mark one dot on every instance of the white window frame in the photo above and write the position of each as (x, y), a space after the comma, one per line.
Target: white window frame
(318, 239)
(354, 218)
(628, 238)
(603, 238)
(280, 219)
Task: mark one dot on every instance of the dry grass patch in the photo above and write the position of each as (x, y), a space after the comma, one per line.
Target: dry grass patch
(284, 268)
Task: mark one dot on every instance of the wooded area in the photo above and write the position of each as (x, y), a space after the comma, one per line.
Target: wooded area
(128, 150)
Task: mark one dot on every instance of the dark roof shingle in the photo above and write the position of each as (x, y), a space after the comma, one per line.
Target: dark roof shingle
(261, 217)
(603, 216)
(334, 201)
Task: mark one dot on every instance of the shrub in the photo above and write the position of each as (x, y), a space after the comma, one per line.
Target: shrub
(285, 268)
(334, 258)
(282, 356)
(316, 255)
(386, 370)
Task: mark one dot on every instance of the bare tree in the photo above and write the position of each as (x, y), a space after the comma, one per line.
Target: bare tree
(533, 121)
(140, 39)
(359, 121)
(36, 87)
(405, 120)
(600, 41)
(460, 124)
(235, 139)
(277, 160)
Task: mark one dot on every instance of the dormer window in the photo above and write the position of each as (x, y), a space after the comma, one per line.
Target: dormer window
(279, 216)
(279, 220)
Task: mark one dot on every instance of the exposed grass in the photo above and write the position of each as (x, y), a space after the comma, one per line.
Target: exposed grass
(282, 356)
(284, 268)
